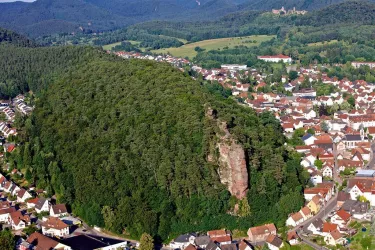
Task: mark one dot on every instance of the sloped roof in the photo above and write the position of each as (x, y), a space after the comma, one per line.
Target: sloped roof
(41, 242)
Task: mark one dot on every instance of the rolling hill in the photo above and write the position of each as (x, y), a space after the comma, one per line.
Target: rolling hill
(113, 137)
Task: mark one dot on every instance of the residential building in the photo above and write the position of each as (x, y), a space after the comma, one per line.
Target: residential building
(39, 241)
(273, 242)
(54, 227)
(334, 238)
(42, 205)
(182, 241)
(341, 218)
(260, 233)
(18, 221)
(316, 226)
(293, 238)
(58, 210)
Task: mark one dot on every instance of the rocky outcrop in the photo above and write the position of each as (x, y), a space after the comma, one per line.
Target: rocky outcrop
(233, 170)
(230, 156)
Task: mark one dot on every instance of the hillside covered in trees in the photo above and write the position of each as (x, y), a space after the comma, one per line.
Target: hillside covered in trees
(46, 17)
(125, 143)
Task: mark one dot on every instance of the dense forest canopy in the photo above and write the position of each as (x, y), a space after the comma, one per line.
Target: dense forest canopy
(125, 144)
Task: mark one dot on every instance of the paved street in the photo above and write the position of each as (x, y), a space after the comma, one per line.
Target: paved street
(322, 214)
(310, 243)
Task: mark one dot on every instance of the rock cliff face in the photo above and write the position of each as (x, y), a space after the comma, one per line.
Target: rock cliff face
(233, 170)
(230, 158)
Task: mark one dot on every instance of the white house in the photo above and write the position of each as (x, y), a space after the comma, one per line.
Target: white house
(274, 242)
(182, 241)
(295, 219)
(4, 214)
(293, 238)
(308, 139)
(341, 218)
(327, 171)
(58, 210)
(53, 227)
(23, 195)
(316, 226)
(42, 205)
(18, 221)
(334, 238)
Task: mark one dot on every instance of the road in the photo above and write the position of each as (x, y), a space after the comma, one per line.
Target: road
(310, 243)
(322, 214)
(86, 229)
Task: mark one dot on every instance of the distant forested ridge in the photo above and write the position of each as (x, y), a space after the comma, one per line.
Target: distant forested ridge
(46, 17)
(125, 144)
(10, 37)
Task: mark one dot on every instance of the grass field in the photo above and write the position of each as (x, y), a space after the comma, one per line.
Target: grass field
(110, 46)
(187, 50)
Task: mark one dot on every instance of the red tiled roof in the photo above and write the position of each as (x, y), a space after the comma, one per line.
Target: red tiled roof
(329, 227)
(343, 215)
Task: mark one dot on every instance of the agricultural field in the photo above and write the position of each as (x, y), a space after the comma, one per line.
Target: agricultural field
(188, 50)
(110, 46)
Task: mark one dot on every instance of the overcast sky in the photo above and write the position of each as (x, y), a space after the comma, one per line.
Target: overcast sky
(7, 1)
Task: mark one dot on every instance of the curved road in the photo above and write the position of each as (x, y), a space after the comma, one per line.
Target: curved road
(322, 214)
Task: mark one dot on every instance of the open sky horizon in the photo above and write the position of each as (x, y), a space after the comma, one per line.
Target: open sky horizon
(9, 1)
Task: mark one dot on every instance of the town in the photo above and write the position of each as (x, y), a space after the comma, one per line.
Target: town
(334, 136)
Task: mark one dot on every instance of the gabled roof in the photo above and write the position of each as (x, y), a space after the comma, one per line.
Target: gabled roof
(244, 244)
(33, 201)
(345, 216)
(292, 235)
(329, 227)
(343, 196)
(216, 233)
(212, 246)
(297, 217)
(7, 210)
(306, 211)
(41, 241)
(202, 240)
(274, 240)
(336, 234)
(40, 203)
(55, 223)
(59, 209)
(17, 217)
(264, 229)
(318, 223)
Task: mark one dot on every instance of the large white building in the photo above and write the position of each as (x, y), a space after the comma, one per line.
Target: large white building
(234, 67)
(359, 64)
(277, 58)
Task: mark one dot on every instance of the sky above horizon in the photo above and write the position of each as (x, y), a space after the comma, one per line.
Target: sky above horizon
(8, 1)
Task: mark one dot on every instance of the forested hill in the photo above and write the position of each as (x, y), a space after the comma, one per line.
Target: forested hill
(342, 15)
(350, 12)
(125, 143)
(10, 37)
(45, 17)
(309, 5)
